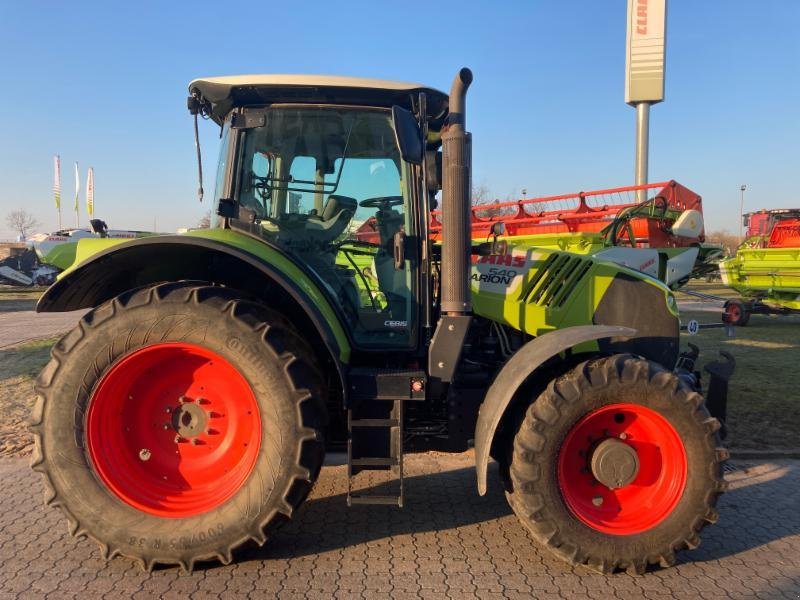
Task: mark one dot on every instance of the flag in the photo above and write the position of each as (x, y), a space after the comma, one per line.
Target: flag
(77, 186)
(57, 180)
(90, 192)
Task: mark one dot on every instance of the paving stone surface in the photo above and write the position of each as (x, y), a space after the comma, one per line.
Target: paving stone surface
(447, 543)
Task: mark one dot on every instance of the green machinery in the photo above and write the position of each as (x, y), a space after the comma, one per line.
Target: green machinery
(766, 266)
(190, 410)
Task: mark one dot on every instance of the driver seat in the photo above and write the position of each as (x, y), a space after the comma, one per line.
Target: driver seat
(336, 215)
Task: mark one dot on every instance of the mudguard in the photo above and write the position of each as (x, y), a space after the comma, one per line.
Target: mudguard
(514, 373)
(217, 256)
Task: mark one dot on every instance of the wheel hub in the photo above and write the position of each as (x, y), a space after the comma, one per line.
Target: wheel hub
(615, 464)
(189, 420)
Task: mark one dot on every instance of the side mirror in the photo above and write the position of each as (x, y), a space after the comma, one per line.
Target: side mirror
(407, 135)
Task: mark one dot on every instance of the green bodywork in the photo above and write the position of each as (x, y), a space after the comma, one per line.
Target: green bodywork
(590, 243)
(85, 249)
(768, 274)
(537, 290)
(66, 255)
(533, 290)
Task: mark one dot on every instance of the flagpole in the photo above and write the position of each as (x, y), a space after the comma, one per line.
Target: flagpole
(57, 186)
(77, 192)
(90, 193)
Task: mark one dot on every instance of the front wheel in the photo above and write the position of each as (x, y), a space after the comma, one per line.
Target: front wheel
(616, 465)
(176, 423)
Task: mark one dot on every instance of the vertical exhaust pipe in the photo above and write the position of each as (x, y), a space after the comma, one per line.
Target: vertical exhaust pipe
(456, 226)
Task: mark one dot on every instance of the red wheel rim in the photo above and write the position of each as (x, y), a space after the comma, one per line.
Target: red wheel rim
(733, 312)
(646, 500)
(173, 430)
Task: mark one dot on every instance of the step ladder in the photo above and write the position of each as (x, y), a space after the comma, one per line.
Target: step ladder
(358, 428)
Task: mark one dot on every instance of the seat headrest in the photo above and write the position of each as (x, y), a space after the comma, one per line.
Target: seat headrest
(337, 203)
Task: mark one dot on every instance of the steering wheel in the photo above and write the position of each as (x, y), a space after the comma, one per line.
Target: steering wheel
(382, 202)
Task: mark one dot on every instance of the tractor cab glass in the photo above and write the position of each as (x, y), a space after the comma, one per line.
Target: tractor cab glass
(328, 186)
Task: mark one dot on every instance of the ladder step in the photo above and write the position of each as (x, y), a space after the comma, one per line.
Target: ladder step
(374, 423)
(374, 462)
(393, 500)
(391, 424)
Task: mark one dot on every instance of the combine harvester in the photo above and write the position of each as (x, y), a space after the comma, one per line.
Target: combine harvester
(59, 248)
(766, 267)
(662, 236)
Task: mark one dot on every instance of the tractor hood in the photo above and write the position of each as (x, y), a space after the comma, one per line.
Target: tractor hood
(536, 290)
(225, 93)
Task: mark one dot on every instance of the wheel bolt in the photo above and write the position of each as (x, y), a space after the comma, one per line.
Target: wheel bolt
(182, 399)
(179, 439)
(211, 431)
(597, 500)
(203, 401)
(166, 426)
(623, 436)
(144, 454)
(196, 442)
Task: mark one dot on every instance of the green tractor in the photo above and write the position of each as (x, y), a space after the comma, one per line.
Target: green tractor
(189, 411)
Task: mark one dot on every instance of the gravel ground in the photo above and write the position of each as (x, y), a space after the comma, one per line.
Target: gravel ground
(17, 327)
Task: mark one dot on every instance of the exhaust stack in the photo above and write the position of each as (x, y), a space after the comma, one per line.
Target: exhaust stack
(456, 241)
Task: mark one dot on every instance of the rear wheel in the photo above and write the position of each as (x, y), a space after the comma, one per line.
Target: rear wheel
(176, 423)
(616, 465)
(736, 313)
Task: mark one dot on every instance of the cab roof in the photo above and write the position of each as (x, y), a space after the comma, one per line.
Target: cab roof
(226, 93)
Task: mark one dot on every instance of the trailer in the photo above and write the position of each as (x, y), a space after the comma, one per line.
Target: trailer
(766, 267)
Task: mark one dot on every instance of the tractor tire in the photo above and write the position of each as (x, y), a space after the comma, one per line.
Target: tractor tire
(736, 313)
(616, 465)
(177, 423)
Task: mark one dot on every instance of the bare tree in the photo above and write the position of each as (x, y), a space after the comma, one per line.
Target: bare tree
(205, 221)
(729, 241)
(481, 197)
(21, 220)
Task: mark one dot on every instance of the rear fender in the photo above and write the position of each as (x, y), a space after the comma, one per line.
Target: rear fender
(259, 270)
(517, 370)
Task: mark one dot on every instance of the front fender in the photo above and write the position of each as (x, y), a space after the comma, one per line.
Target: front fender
(514, 373)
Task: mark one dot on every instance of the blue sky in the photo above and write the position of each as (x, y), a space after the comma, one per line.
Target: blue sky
(105, 84)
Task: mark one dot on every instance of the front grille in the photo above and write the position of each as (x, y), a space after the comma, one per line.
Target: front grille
(556, 279)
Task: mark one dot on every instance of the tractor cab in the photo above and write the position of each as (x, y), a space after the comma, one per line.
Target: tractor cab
(305, 163)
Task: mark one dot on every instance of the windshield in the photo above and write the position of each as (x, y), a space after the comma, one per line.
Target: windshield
(327, 185)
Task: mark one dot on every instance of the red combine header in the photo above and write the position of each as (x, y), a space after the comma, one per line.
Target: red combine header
(591, 212)
(584, 212)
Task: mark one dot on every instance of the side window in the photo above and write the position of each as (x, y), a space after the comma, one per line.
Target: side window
(222, 165)
(328, 186)
(261, 190)
(303, 171)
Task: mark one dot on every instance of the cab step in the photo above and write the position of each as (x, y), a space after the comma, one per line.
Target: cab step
(376, 499)
(375, 434)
